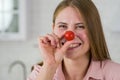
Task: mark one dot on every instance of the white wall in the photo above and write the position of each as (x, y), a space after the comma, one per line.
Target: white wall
(39, 21)
(110, 15)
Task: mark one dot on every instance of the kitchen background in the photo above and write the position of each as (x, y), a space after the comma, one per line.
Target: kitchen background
(18, 54)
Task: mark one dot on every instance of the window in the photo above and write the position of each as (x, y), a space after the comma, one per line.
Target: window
(12, 20)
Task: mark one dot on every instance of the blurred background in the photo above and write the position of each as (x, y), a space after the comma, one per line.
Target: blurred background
(23, 21)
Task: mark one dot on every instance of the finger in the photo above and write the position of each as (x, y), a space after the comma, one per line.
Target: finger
(65, 47)
(44, 40)
(61, 52)
(52, 39)
(57, 40)
(41, 42)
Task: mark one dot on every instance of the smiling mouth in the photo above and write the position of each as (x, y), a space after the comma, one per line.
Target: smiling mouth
(75, 45)
(72, 46)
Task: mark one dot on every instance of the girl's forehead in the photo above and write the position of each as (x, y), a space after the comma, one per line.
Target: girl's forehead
(69, 14)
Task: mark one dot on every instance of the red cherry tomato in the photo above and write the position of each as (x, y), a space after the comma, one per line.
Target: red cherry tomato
(69, 35)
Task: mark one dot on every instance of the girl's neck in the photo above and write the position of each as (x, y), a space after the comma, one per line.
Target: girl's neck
(75, 69)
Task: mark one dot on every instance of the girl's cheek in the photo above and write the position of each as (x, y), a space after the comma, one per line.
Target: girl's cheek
(59, 33)
(83, 36)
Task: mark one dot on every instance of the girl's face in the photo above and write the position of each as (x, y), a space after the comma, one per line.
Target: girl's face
(69, 19)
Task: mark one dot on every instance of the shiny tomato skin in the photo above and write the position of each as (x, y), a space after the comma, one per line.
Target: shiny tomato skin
(69, 35)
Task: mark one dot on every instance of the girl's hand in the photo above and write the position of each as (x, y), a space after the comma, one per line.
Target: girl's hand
(51, 50)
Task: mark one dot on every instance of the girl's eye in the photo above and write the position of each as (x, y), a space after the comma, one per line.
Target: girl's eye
(62, 26)
(80, 27)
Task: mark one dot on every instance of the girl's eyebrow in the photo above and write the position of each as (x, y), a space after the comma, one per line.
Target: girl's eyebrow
(62, 23)
(66, 23)
(79, 24)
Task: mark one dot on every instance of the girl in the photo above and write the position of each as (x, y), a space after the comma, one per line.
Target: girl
(85, 57)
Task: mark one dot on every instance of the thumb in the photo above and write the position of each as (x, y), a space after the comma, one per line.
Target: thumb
(65, 47)
(61, 52)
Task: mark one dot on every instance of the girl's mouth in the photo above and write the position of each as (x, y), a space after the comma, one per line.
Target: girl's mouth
(72, 46)
(75, 45)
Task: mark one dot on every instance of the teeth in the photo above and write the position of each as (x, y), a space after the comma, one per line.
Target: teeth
(73, 45)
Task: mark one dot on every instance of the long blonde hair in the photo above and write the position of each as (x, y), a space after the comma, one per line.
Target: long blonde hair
(98, 47)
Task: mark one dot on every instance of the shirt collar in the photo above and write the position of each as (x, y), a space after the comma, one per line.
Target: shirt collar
(94, 71)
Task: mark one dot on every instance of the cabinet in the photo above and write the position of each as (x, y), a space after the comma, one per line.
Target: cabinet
(12, 20)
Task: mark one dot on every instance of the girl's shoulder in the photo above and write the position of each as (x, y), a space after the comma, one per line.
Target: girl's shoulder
(38, 65)
(111, 70)
(109, 64)
(34, 72)
(104, 70)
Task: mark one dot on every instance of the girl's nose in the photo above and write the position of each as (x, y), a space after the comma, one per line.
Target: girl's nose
(69, 35)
